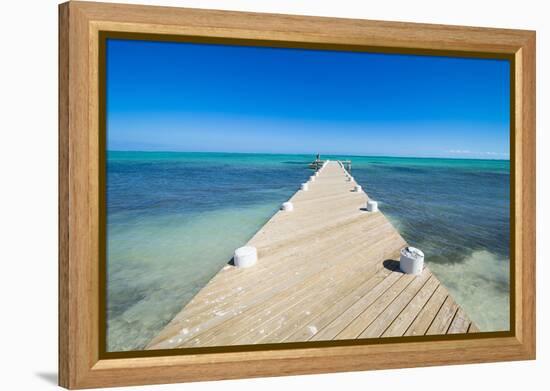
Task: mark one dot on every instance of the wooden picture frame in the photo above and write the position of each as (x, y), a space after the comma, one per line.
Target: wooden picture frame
(81, 362)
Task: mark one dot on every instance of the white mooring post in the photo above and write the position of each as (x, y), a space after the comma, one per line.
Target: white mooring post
(304, 187)
(312, 178)
(287, 206)
(411, 260)
(245, 256)
(358, 188)
(372, 206)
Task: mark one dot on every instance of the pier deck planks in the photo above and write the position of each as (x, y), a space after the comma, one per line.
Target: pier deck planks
(327, 270)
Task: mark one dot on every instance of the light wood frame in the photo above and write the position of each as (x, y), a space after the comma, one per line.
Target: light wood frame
(80, 24)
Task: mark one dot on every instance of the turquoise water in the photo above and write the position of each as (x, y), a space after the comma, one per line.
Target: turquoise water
(174, 219)
(457, 212)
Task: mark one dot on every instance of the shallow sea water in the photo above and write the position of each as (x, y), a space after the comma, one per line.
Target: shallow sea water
(174, 220)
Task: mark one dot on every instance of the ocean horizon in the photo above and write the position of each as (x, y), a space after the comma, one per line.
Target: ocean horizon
(175, 218)
(312, 154)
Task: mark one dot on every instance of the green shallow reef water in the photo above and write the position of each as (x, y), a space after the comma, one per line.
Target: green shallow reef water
(174, 219)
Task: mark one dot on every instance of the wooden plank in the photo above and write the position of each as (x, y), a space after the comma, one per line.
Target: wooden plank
(346, 317)
(309, 330)
(317, 304)
(279, 305)
(460, 323)
(402, 322)
(424, 319)
(361, 322)
(382, 322)
(444, 317)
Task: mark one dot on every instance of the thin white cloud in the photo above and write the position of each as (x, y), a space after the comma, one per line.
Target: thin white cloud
(459, 151)
(468, 152)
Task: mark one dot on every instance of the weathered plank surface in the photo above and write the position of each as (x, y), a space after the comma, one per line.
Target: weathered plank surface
(326, 270)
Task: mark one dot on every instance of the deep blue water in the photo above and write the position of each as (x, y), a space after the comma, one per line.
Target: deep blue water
(174, 220)
(449, 207)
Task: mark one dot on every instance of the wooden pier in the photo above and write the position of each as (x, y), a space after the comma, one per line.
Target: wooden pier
(318, 163)
(327, 270)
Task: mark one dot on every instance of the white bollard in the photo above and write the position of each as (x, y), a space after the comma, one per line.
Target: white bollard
(312, 178)
(245, 256)
(304, 186)
(358, 188)
(287, 206)
(411, 260)
(372, 206)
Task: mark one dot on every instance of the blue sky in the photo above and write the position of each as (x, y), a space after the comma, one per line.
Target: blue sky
(195, 97)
